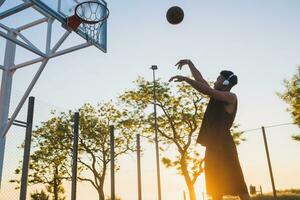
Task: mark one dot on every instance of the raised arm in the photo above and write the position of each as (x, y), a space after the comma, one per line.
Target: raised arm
(195, 72)
(224, 96)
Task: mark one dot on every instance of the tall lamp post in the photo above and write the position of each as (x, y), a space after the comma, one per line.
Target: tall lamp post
(154, 67)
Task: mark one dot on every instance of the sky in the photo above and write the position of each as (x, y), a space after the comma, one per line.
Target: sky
(258, 40)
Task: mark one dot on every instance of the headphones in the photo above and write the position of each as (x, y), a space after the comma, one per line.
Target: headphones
(226, 82)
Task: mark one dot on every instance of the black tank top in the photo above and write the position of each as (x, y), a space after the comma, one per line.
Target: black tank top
(216, 124)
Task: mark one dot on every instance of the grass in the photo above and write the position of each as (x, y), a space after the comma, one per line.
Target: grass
(288, 194)
(285, 196)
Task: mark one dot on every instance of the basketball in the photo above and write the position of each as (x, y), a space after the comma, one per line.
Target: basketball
(175, 15)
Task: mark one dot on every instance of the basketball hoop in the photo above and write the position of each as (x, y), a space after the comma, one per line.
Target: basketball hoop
(91, 14)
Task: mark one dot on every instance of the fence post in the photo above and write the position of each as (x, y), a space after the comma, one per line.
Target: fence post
(26, 156)
(138, 146)
(75, 155)
(112, 161)
(269, 162)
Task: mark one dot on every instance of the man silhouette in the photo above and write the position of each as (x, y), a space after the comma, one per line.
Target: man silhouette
(223, 173)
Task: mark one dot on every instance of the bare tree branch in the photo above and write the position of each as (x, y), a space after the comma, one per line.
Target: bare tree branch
(172, 126)
(88, 180)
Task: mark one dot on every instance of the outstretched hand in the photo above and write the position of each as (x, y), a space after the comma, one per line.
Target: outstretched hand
(177, 78)
(182, 62)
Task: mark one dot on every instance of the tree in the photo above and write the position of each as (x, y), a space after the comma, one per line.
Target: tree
(94, 142)
(180, 114)
(51, 143)
(291, 96)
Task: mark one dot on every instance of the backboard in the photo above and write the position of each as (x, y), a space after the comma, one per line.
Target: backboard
(62, 9)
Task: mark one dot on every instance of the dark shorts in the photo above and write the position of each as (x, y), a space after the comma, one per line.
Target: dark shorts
(223, 173)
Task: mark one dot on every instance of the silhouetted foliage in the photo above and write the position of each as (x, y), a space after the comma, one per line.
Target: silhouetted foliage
(39, 195)
(291, 96)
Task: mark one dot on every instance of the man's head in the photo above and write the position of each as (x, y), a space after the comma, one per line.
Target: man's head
(225, 81)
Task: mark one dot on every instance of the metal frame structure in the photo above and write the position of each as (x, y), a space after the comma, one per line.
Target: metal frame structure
(14, 37)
